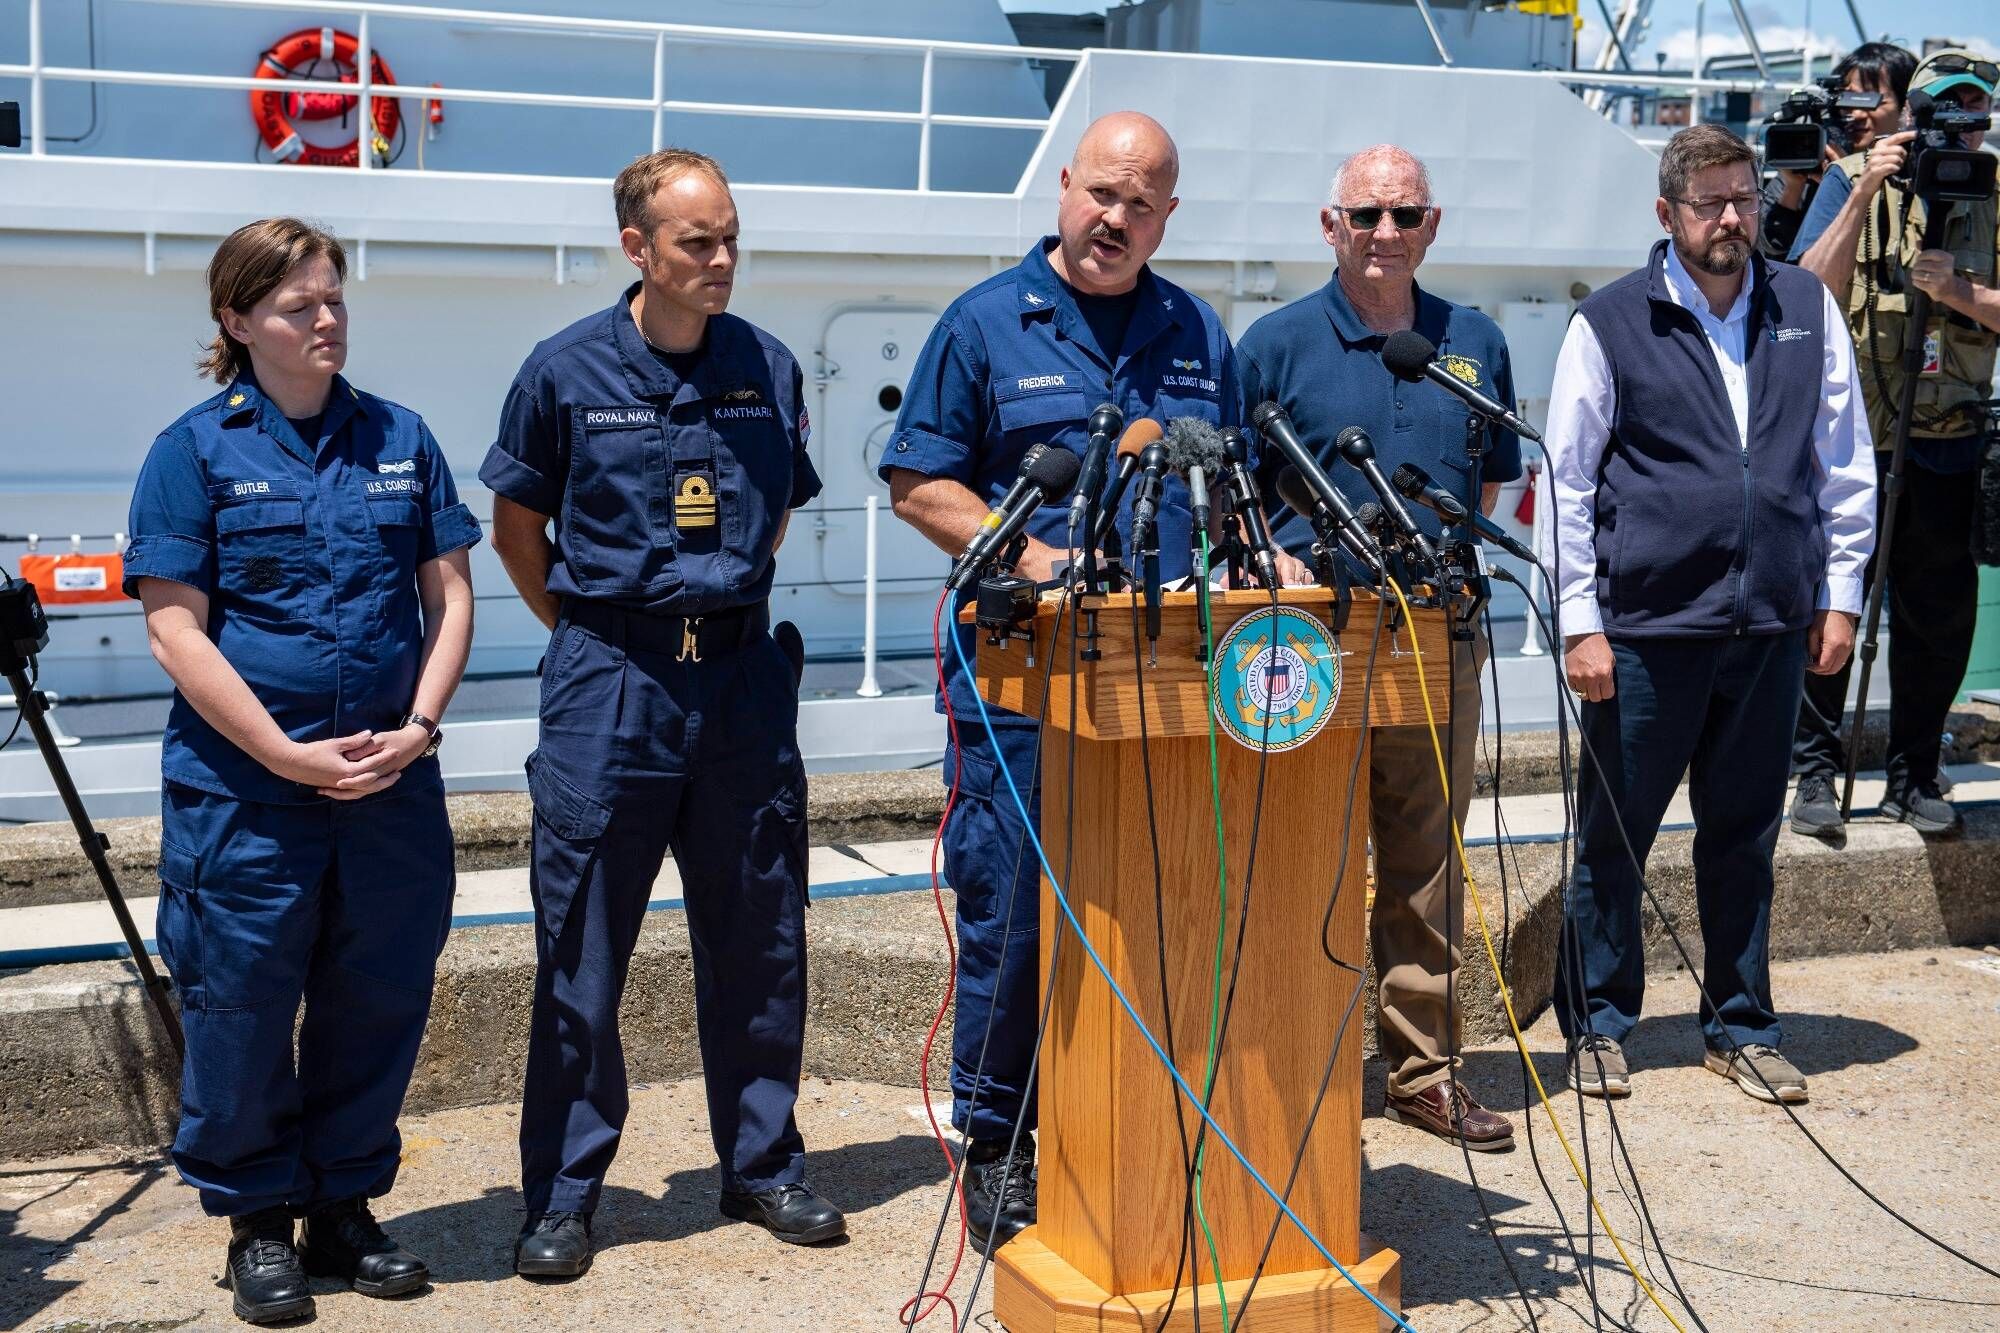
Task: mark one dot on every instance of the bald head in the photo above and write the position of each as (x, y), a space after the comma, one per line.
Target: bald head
(1374, 251)
(1117, 193)
(1383, 165)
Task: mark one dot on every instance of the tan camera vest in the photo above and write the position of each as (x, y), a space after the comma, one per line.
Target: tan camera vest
(1958, 360)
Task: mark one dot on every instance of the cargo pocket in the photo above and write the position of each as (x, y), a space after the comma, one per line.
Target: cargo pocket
(569, 826)
(177, 929)
(788, 815)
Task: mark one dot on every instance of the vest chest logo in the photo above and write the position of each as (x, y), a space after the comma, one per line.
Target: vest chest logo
(620, 416)
(1461, 368)
(694, 502)
(1789, 335)
(1276, 680)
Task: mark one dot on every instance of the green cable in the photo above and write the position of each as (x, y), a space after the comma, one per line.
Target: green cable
(1221, 925)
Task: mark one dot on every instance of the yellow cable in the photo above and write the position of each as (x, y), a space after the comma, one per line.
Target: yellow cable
(1506, 996)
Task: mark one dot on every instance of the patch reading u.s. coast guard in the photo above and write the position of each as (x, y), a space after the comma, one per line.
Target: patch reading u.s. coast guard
(1461, 368)
(1277, 670)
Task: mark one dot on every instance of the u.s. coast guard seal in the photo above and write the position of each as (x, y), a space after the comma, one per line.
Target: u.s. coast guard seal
(1279, 664)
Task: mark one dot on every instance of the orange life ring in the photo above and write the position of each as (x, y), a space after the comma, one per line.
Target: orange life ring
(273, 110)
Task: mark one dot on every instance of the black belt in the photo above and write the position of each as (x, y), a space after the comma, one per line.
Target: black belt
(685, 638)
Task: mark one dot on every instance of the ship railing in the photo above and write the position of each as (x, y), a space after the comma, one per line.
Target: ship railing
(39, 73)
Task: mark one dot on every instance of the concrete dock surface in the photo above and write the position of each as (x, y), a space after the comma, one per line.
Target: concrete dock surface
(1902, 1049)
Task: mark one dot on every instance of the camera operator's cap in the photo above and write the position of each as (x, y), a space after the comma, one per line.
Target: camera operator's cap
(1942, 71)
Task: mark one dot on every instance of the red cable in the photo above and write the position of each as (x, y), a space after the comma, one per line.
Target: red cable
(939, 1297)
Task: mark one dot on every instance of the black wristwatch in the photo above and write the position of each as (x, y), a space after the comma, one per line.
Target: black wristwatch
(436, 733)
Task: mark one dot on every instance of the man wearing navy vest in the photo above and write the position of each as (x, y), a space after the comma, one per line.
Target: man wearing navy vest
(1713, 483)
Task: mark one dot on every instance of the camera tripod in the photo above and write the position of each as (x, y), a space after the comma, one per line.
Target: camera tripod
(24, 631)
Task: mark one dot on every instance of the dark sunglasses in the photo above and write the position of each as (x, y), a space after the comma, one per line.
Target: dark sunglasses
(1407, 217)
(1985, 71)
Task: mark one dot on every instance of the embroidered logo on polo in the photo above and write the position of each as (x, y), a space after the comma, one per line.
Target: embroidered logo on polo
(1027, 382)
(694, 502)
(620, 416)
(1277, 675)
(1461, 368)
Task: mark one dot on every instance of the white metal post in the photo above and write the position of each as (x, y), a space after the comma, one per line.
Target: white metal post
(924, 129)
(659, 91)
(365, 75)
(37, 145)
(870, 687)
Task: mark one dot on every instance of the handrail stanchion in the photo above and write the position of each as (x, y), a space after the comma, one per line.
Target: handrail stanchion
(364, 75)
(37, 143)
(924, 127)
(659, 91)
(870, 687)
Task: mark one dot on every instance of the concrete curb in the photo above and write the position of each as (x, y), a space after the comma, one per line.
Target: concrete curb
(82, 1065)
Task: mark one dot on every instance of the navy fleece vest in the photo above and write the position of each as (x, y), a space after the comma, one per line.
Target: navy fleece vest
(1700, 535)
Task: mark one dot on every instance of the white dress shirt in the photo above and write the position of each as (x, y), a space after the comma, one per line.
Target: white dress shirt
(1583, 402)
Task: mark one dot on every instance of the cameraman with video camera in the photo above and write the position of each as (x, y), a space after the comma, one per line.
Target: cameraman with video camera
(1818, 126)
(1871, 238)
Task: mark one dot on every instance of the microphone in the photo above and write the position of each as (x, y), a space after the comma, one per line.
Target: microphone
(1275, 426)
(1412, 357)
(1415, 483)
(1250, 504)
(1131, 445)
(1195, 450)
(1046, 474)
(1105, 423)
(1146, 500)
(1298, 494)
(1359, 450)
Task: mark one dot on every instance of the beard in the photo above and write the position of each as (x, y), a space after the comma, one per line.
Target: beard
(1722, 256)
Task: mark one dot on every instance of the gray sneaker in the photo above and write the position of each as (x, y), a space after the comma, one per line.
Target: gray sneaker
(1760, 1071)
(1924, 809)
(1815, 812)
(1597, 1067)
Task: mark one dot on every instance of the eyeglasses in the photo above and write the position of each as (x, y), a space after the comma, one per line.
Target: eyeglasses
(1708, 210)
(1407, 217)
(1985, 71)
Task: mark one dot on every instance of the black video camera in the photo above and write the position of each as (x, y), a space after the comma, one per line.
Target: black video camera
(1939, 168)
(1797, 133)
(10, 124)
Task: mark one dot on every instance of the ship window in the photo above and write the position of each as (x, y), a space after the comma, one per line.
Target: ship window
(890, 398)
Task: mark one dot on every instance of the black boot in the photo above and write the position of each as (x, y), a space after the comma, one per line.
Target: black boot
(792, 1213)
(999, 1191)
(343, 1240)
(553, 1245)
(264, 1272)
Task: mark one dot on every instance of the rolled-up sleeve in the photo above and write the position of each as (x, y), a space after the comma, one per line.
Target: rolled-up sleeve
(1582, 401)
(449, 526)
(172, 523)
(1844, 450)
(525, 464)
(943, 418)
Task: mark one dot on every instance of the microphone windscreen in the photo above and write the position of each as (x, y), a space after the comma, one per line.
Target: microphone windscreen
(1294, 491)
(1055, 472)
(1138, 435)
(1370, 515)
(1192, 442)
(1408, 354)
(1409, 479)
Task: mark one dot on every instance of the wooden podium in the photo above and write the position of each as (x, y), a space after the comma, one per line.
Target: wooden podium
(1111, 1176)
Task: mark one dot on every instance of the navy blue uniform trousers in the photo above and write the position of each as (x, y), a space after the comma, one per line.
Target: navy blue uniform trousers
(343, 905)
(642, 753)
(990, 862)
(1721, 711)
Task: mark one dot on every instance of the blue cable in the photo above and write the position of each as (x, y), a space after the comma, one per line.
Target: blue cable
(1062, 901)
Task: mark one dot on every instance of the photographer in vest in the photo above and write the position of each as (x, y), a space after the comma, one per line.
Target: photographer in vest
(1864, 239)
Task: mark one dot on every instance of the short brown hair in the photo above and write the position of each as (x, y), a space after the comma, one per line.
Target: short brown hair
(1697, 148)
(247, 267)
(632, 193)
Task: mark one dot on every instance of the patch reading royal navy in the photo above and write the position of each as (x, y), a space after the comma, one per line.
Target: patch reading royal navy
(620, 416)
(1276, 675)
(263, 573)
(694, 502)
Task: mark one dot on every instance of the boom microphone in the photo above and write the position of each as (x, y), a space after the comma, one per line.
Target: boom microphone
(1359, 450)
(1046, 475)
(1274, 425)
(1243, 487)
(1131, 445)
(1415, 483)
(1195, 451)
(1105, 423)
(1412, 357)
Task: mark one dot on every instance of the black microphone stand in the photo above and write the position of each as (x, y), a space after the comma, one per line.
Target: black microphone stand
(1892, 489)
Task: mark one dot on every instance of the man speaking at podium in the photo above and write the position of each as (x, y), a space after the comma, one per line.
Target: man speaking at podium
(1320, 359)
(1022, 359)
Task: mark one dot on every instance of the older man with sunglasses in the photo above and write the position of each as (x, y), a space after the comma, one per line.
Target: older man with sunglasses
(1320, 359)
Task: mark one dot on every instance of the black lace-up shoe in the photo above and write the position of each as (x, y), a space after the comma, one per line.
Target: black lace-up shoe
(999, 1191)
(1815, 812)
(1924, 809)
(553, 1245)
(343, 1240)
(265, 1277)
(792, 1213)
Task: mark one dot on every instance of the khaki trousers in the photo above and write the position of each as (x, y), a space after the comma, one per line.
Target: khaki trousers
(1418, 880)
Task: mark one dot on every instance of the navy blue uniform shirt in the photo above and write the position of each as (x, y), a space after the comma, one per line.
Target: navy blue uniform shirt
(308, 552)
(1320, 363)
(1013, 362)
(666, 494)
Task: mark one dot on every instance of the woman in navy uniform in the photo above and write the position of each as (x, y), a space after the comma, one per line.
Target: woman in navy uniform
(300, 551)
(666, 440)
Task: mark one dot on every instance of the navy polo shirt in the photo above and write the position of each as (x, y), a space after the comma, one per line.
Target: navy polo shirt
(1013, 362)
(308, 552)
(1320, 363)
(667, 492)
